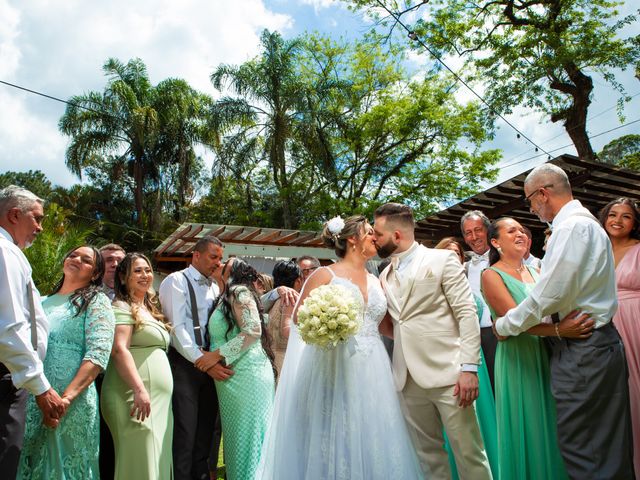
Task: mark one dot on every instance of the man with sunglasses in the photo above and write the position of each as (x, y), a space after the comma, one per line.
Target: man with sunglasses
(588, 376)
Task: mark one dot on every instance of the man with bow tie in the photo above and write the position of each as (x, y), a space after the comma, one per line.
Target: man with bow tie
(188, 298)
(475, 231)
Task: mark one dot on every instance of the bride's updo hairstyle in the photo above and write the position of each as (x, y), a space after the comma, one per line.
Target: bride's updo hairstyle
(336, 232)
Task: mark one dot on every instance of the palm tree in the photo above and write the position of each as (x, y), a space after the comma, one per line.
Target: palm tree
(120, 121)
(261, 121)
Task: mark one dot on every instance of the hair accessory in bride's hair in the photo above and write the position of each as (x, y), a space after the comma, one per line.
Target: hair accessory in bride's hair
(335, 226)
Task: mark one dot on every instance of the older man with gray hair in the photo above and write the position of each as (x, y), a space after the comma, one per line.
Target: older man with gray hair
(588, 376)
(23, 327)
(474, 226)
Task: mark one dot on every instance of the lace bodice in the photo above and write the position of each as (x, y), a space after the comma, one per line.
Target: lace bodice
(373, 311)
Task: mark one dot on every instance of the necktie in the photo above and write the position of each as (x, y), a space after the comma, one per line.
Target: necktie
(476, 259)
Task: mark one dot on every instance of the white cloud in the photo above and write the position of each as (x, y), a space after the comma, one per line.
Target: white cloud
(319, 4)
(59, 48)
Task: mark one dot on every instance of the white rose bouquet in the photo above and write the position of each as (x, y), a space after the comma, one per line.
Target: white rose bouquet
(329, 315)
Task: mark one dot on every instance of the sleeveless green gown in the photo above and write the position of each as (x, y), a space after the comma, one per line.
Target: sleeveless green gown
(526, 412)
(245, 398)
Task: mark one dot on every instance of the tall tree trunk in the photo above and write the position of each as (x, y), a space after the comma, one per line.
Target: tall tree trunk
(575, 117)
(138, 178)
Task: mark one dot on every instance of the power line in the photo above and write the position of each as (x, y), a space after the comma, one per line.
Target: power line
(413, 36)
(571, 144)
(51, 97)
(566, 131)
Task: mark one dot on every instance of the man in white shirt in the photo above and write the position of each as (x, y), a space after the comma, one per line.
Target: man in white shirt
(195, 403)
(23, 327)
(529, 258)
(588, 376)
(475, 231)
(112, 254)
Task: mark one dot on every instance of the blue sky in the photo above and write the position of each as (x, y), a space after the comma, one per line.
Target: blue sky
(59, 47)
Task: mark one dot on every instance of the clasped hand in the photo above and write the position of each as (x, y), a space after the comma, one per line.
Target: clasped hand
(53, 407)
(211, 364)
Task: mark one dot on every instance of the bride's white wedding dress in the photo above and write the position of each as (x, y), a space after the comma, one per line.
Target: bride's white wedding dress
(337, 414)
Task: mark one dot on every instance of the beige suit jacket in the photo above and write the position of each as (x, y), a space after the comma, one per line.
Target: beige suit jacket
(435, 320)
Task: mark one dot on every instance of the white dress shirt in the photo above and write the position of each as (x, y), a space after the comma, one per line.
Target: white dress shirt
(174, 298)
(474, 268)
(532, 261)
(577, 274)
(397, 279)
(16, 351)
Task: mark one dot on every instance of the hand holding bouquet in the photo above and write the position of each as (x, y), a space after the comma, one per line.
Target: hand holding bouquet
(329, 315)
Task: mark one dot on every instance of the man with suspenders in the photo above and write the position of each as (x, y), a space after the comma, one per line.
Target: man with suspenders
(188, 298)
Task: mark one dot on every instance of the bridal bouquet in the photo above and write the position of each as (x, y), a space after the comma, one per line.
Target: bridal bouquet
(329, 315)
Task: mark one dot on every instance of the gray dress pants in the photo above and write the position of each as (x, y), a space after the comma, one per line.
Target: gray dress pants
(589, 384)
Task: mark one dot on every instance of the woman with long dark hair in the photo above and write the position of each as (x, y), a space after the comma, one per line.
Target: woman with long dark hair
(241, 341)
(81, 328)
(621, 220)
(287, 274)
(137, 387)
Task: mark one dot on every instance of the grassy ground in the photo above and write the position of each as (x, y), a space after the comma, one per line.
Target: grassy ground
(221, 468)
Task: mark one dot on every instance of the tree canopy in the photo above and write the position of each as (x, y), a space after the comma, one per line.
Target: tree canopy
(542, 54)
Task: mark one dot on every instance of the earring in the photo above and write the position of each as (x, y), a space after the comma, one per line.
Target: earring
(499, 250)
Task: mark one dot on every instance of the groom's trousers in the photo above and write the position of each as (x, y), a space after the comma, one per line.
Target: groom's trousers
(428, 411)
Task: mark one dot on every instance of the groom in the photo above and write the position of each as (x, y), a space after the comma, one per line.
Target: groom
(437, 344)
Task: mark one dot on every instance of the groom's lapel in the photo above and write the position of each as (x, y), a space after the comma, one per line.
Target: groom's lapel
(391, 298)
(411, 274)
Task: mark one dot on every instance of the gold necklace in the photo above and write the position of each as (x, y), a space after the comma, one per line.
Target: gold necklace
(520, 269)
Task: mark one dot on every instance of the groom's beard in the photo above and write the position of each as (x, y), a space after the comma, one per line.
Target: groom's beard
(387, 249)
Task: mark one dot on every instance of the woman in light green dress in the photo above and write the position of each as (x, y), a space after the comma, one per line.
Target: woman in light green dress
(137, 388)
(80, 336)
(526, 412)
(239, 339)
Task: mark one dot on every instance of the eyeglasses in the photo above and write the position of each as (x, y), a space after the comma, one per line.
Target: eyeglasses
(527, 199)
(307, 271)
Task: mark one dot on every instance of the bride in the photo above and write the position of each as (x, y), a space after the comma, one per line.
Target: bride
(337, 414)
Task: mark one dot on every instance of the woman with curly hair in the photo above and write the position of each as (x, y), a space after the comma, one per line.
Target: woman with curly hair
(80, 337)
(240, 341)
(137, 388)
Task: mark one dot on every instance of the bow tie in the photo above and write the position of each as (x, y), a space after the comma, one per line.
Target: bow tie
(475, 258)
(204, 281)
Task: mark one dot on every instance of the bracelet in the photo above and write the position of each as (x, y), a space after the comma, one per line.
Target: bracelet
(557, 330)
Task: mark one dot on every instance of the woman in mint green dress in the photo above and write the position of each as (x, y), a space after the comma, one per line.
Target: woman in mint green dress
(81, 327)
(239, 339)
(137, 388)
(525, 409)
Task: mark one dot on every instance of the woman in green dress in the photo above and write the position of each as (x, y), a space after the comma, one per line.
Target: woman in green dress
(525, 410)
(240, 341)
(137, 387)
(485, 404)
(80, 335)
